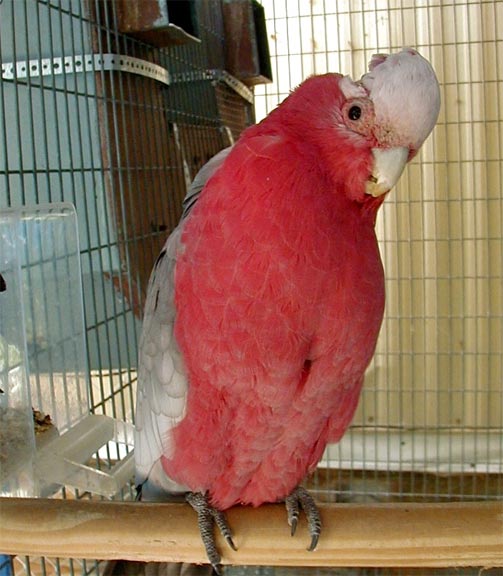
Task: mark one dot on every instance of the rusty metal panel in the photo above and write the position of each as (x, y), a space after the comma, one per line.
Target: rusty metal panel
(247, 49)
(158, 22)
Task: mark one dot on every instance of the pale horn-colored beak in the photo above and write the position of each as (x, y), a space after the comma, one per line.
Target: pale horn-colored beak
(388, 166)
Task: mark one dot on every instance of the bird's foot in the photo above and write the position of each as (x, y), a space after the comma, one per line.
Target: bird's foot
(301, 499)
(208, 516)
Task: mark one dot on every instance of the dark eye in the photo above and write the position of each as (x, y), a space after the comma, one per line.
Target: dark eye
(354, 112)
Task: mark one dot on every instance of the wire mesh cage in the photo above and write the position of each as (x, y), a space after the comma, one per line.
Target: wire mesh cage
(429, 421)
(116, 121)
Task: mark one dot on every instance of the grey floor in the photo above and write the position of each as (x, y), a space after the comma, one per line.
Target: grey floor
(172, 569)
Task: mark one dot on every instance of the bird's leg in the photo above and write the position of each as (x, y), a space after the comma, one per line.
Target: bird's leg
(301, 499)
(208, 516)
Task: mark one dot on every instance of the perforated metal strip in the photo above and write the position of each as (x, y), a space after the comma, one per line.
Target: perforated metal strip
(236, 85)
(97, 62)
(215, 75)
(83, 63)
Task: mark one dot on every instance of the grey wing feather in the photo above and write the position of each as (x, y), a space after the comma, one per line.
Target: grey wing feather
(162, 383)
(201, 178)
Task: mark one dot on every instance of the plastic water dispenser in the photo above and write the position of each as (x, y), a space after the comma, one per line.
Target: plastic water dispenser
(48, 437)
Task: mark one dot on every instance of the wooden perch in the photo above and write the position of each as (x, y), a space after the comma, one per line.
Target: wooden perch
(412, 535)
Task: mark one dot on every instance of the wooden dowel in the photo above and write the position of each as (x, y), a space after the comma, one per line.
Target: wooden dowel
(413, 535)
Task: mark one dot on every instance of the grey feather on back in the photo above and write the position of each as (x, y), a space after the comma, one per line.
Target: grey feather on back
(162, 382)
(201, 178)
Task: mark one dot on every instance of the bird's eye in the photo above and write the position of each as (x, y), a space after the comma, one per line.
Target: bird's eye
(358, 116)
(354, 113)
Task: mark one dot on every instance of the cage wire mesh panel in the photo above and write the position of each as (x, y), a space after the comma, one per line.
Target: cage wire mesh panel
(117, 126)
(429, 424)
(117, 123)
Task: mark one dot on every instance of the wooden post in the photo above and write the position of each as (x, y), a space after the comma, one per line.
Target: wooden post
(412, 535)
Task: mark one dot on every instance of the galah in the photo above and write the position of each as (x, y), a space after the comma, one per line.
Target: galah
(265, 304)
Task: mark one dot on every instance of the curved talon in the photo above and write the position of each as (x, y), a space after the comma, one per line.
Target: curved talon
(221, 522)
(292, 509)
(293, 525)
(230, 542)
(314, 542)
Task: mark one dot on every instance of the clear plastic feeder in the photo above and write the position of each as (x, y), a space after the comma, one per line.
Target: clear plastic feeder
(42, 341)
(17, 441)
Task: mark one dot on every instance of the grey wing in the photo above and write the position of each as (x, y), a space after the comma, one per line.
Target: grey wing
(201, 178)
(162, 383)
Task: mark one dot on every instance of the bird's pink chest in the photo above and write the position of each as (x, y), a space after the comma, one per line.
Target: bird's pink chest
(277, 317)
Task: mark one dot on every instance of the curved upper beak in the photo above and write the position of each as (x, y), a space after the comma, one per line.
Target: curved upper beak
(388, 166)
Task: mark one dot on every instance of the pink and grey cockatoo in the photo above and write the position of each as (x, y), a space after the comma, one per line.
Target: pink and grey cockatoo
(265, 304)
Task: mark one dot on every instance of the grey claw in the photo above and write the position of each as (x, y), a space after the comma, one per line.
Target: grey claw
(314, 542)
(300, 498)
(293, 524)
(223, 526)
(208, 516)
(230, 542)
(292, 509)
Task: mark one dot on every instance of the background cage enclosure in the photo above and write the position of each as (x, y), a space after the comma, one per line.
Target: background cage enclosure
(116, 118)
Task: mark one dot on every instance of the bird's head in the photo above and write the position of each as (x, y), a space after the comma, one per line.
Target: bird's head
(369, 129)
